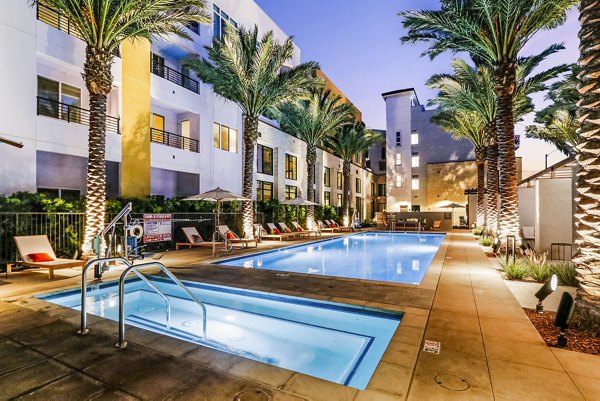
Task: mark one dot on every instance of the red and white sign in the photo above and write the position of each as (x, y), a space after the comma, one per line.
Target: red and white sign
(157, 227)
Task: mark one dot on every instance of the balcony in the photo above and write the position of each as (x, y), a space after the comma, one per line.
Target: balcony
(173, 140)
(174, 76)
(72, 114)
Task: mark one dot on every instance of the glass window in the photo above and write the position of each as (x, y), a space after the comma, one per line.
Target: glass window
(381, 189)
(70, 97)
(414, 138)
(382, 156)
(291, 192)
(224, 138)
(339, 200)
(327, 198)
(415, 182)
(48, 93)
(399, 181)
(358, 205)
(291, 167)
(158, 122)
(220, 21)
(358, 185)
(327, 177)
(398, 138)
(264, 191)
(233, 140)
(398, 159)
(415, 160)
(157, 64)
(184, 127)
(216, 135)
(264, 160)
(340, 180)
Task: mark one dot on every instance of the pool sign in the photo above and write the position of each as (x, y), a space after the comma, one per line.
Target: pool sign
(432, 346)
(157, 227)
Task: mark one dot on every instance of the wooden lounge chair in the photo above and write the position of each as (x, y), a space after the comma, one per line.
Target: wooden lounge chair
(273, 230)
(195, 240)
(301, 230)
(326, 228)
(36, 251)
(233, 238)
(260, 232)
(437, 225)
(341, 228)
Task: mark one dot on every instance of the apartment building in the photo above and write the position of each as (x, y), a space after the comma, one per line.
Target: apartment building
(420, 167)
(168, 133)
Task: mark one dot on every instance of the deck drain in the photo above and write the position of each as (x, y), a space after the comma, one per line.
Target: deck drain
(251, 395)
(452, 382)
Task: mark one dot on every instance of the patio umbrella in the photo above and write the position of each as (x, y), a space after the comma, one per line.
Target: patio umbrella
(299, 201)
(217, 195)
(452, 206)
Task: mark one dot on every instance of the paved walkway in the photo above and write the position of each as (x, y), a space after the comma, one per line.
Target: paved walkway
(489, 350)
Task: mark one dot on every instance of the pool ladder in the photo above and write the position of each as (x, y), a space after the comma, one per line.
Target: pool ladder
(135, 269)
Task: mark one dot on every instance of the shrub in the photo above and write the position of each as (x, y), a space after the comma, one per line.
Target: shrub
(514, 270)
(477, 230)
(565, 271)
(538, 268)
(487, 241)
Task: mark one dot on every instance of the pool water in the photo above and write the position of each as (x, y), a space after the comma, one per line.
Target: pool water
(336, 342)
(393, 257)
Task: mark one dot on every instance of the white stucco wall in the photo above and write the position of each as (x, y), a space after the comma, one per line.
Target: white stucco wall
(554, 217)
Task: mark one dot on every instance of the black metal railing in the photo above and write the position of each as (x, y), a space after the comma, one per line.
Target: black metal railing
(59, 21)
(173, 140)
(174, 76)
(194, 27)
(72, 114)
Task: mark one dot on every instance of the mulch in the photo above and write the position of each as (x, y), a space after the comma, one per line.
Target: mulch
(577, 340)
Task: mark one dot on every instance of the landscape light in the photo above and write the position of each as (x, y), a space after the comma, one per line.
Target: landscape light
(547, 289)
(563, 316)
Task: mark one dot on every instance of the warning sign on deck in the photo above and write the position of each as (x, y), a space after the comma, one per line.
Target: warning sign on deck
(157, 227)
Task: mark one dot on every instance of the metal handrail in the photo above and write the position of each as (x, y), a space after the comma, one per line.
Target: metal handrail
(228, 246)
(122, 343)
(174, 76)
(159, 292)
(173, 140)
(84, 330)
(72, 114)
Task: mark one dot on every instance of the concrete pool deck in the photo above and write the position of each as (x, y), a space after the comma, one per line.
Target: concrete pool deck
(489, 350)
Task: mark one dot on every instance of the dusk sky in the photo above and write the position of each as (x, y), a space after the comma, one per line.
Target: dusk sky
(357, 45)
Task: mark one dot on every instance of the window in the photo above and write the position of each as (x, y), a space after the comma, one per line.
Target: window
(398, 138)
(414, 137)
(157, 64)
(381, 189)
(264, 191)
(291, 167)
(220, 20)
(225, 138)
(327, 177)
(339, 200)
(70, 97)
(415, 182)
(382, 165)
(358, 185)
(398, 159)
(340, 180)
(416, 208)
(291, 192)
(67, 194)
(184, 128)
(327, 198)
(399, 181)
(415, 160)
(158, 122)
(358, 205)
(264, 160)
(382, 153)
(58, 100)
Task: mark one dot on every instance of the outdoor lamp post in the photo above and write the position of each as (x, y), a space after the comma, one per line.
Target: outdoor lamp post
(563, 316)
(547, 289)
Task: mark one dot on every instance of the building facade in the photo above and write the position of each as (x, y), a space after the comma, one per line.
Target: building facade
(168, 133)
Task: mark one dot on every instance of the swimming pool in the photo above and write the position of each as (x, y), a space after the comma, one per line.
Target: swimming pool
(394, 257)
(336, 342)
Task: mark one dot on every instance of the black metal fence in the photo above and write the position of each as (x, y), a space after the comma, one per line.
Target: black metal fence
(173, 140)
(72, 114)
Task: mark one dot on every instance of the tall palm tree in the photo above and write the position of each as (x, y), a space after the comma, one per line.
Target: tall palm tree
(104, 25)
(311, 120)
(493, 32)
(587, 310)
(249, 71)
(349, 141)
(471, 126)
(557, 123)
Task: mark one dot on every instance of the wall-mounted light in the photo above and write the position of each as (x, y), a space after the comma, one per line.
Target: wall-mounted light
(547, 289)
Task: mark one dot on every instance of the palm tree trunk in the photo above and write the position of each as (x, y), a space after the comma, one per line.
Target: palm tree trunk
(492, 182)
(98, 79)
(480, 160)
(587, 302)
(311, 159)
(509, 208)
(346, 197)
(250, 136)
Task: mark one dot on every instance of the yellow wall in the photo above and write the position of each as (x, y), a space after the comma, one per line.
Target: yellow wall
(135, 120)
(447, 182)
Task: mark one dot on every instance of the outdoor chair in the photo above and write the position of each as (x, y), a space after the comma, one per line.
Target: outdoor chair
(341, 228)
(195, 240)
(273, 230)
(36, 251)
(301, 230)
(326, 227)
(233, 238)
(437, 225)
(264, 234)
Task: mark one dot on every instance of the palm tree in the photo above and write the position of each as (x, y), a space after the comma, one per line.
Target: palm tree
(252, 73)
(103, 25)
(470, 126)
(493, 32)
(587, 302)
(311, 120)
(349, 141)
(557, 123)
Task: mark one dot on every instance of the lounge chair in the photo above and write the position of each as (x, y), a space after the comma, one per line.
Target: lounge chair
(36, 251)
(273, 230)
(261, 233)
(341, 228)
(326, 227)
(528, 236)
(195, 240)
(233, 238)
(301, 230)
(437, 225)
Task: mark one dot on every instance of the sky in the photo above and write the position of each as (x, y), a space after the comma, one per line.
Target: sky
(357, 45)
